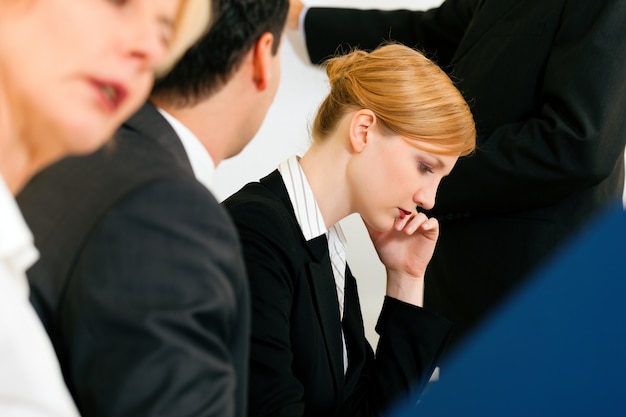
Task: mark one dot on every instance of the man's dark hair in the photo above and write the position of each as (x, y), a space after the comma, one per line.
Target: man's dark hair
(210, 62)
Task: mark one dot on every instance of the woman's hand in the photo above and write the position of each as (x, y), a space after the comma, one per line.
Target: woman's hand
(406, 250)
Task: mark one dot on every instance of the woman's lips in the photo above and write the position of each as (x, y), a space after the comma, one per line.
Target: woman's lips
(111, 94)
(404, 213)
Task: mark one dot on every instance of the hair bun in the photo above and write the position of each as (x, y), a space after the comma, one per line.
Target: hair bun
(341, 66)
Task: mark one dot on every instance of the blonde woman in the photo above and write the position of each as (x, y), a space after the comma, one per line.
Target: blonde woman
(70, 72)
(392, 126)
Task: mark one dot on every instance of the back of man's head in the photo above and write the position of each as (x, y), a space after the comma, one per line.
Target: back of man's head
(210, 63)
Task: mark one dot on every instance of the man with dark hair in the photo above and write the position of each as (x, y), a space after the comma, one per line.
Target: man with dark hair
(220, 53)
(141, 285)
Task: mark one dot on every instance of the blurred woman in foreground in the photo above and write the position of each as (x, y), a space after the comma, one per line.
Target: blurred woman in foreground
(71, 71)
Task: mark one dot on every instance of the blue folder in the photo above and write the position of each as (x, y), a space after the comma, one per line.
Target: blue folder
(556, 347)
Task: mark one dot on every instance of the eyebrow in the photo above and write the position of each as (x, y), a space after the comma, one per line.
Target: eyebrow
(437, 162)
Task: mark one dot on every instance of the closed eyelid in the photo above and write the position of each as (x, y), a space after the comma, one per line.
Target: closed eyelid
(168, 22)
(169, 28)
(425, 167)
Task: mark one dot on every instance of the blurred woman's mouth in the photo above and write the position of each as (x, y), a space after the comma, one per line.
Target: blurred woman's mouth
(111, 94)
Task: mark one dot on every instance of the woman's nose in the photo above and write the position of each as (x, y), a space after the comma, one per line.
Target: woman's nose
(425, 197)
(145, 40)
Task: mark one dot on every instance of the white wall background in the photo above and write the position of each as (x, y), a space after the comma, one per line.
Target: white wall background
(285, 132)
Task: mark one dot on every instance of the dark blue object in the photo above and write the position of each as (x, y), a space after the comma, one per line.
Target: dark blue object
(556, 348)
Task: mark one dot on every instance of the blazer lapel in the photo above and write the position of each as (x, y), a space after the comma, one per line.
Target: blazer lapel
(321, 283)
(327, 307)
(150, 123)
(356, 341)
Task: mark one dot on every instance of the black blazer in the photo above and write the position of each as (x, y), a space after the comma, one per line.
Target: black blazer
(546, 81)
(296, 366)
(141, 284)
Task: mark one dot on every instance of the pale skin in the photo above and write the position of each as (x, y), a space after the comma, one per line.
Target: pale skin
(71, 72)
(383, 178)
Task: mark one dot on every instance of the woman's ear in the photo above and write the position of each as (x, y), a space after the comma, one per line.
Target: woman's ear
(262, 60)
(361, 126)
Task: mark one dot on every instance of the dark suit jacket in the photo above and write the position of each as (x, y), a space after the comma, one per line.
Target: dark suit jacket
(296, 366)
(546, 81)
(141, 284)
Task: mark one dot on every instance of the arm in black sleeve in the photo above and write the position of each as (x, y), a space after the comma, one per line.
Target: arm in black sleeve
(437, 32)
(410, 345)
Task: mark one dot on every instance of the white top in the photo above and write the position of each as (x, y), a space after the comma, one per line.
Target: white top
(31, 383)
(202, 164)
(312, 224)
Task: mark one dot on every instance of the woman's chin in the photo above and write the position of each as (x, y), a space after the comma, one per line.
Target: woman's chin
(382, 226)
(89, 137)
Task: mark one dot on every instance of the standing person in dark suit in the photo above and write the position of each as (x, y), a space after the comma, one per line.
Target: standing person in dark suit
(392, 126)
(547, 84)
(141, 285)
(71, 72)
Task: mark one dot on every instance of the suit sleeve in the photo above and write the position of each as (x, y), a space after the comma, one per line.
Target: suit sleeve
(410, 345)
(437, 31)
(575, 137)
(154, 305)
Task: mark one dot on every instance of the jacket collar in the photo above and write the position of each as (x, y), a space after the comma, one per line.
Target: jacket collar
(320, 276)
(148, 122)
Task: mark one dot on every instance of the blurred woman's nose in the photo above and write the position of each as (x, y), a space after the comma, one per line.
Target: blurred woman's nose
(145, 40)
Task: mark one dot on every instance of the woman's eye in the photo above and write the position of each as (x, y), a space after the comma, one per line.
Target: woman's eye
(167, 32)
(166, 37)
(425, 169)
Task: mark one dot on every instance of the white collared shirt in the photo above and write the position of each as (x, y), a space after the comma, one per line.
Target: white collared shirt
(202, 164)
(31, 383)
(312, 224)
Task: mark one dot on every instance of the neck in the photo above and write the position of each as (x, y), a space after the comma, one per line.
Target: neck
(325, 166)
(15, 166)
(217, 121)
(14, 169)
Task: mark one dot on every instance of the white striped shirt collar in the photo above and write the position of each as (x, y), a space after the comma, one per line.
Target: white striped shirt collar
(312, 225)
(305, 206)
(301, 195)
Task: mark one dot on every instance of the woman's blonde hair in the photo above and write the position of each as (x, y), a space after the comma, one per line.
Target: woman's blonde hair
(191, 23)
(410, 95)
